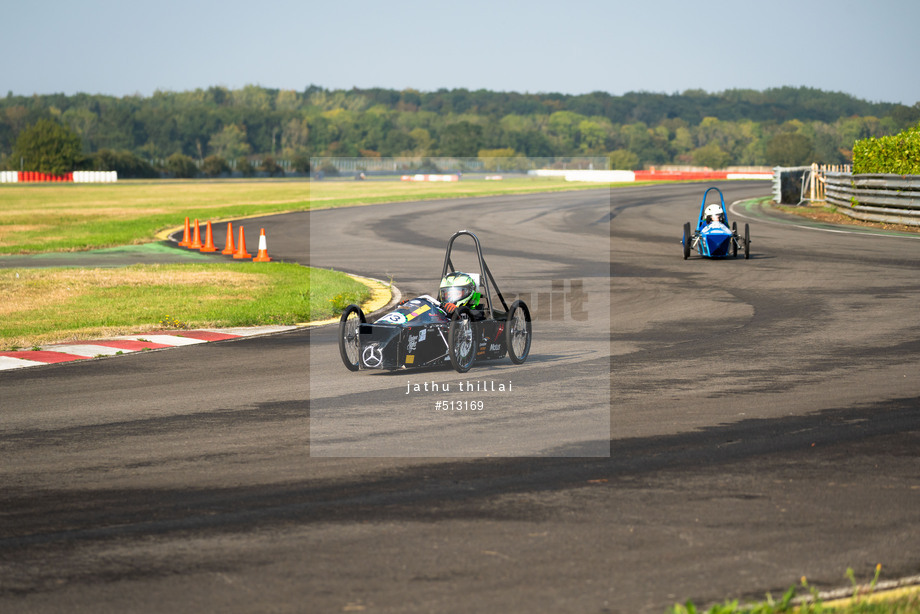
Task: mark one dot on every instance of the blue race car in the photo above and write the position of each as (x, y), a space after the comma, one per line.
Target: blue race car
(712, 237)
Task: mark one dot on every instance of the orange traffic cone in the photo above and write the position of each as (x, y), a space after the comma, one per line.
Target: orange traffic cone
(208, 239)
(229, 249)
(241, 248)
(196, 238)
(262, 256)
(185, 236)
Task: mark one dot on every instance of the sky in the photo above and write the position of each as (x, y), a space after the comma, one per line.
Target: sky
(870, 50)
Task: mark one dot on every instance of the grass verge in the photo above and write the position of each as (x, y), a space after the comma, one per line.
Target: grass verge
(828, 213)
(37, 218)
(902, 604)
(863, 599)
(67, 304)
(76, 217)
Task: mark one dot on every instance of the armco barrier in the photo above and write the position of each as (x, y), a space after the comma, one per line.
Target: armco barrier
(890, 199)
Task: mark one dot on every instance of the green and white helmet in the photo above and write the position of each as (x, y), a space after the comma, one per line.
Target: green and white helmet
(460, 289)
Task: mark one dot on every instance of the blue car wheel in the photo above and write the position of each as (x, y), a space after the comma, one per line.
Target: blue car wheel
(747, 242)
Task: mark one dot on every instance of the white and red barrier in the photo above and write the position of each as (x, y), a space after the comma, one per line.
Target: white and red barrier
(75, 177)
(750, 176)
(690, 175)
(631, 176)
(32, 177)
(430, 177)
(95, 176)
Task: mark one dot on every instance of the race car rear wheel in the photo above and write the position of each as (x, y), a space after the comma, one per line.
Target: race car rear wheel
(686, 240)
(462, 340)
(518, 332)
(747, 241)
(735, 239)
(349, 345)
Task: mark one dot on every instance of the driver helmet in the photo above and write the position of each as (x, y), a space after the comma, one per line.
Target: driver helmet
(458, 288)
(713, 213)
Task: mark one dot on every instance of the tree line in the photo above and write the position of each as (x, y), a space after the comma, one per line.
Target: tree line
(217, 129)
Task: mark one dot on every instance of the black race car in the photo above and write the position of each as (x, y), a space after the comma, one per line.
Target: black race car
(427, 332)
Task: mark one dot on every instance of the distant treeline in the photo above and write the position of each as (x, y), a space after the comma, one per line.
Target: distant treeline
(788, 126)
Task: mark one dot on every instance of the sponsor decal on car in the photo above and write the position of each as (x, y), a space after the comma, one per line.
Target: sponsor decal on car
(372, 356)
(417, 312)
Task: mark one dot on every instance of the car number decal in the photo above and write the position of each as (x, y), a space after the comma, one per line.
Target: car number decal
(417, 312)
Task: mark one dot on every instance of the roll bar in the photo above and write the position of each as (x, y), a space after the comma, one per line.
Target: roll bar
(485, 274)
(700, 221)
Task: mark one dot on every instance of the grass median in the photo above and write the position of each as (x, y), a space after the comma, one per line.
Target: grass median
(48, 305)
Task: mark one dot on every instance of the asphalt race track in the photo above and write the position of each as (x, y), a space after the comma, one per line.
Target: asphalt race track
(764, 425)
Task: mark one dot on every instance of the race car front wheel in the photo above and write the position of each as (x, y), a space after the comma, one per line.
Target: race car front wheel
(462, 340)
(349, 346)
(686, 240)
(518, 332)
(747, 241)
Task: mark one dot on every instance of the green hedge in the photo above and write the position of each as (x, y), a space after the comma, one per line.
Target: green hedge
(898, 154)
